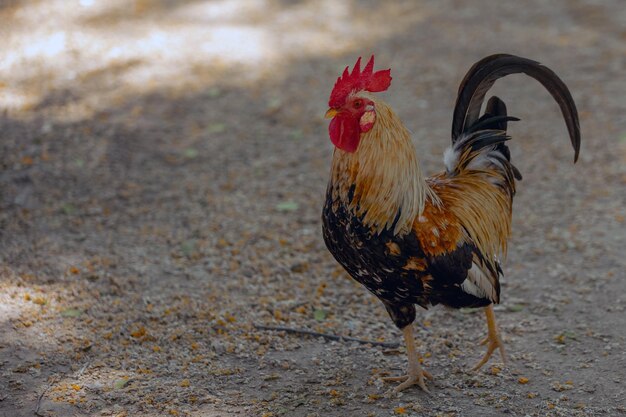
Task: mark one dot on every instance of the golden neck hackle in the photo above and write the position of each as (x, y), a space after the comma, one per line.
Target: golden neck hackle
(386, 174)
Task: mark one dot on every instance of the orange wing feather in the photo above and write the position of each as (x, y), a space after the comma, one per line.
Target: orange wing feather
(481, 209)
(438, 230)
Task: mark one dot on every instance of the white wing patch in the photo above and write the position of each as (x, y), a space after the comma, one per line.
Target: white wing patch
(479, 283)
(450, 159)
(487, 157)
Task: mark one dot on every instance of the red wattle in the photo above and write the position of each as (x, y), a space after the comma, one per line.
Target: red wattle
(344, 132)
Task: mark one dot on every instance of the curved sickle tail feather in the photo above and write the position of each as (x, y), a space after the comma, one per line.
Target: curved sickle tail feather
(487, 71)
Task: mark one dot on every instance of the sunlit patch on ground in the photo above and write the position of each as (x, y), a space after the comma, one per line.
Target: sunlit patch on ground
(119, 48)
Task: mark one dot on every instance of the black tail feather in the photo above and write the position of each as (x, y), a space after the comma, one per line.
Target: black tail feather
(495, 117)
(491, 123)
(487, 71)
(487, 138)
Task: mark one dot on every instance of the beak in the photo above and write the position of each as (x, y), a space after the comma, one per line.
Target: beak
(330, 113)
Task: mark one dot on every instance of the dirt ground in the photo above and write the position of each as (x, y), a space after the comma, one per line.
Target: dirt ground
(163, 167)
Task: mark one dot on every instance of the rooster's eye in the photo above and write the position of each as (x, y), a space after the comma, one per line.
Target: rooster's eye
(357, 104)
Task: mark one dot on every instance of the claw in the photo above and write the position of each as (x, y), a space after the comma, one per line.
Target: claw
(413, 379)
(494, 343)
(492, 340)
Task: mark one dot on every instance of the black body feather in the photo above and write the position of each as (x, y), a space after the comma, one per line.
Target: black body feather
(366, 256)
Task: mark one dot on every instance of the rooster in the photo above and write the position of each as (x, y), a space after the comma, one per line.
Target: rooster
(415, 240)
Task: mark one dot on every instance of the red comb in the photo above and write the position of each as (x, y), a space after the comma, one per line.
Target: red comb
(367, 80)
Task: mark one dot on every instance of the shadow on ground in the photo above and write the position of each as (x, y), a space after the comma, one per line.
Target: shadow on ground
(148, 222)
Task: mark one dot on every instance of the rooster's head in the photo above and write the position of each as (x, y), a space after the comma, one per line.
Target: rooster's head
(352, 111)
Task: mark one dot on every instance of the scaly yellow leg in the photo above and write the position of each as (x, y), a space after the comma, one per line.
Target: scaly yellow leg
(415, 374)
(492, 340)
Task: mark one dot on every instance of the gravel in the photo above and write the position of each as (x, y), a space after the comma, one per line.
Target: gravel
(159, 202)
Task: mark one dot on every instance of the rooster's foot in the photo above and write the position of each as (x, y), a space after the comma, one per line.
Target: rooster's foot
(493, 340)
(415, 377)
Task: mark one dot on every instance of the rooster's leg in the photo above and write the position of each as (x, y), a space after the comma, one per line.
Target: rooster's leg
(416, 374)
(492, 340)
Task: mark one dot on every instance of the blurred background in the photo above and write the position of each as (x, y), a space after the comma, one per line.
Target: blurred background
(162, 171)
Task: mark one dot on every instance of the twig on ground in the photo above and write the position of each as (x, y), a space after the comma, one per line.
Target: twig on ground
(326, 336)
(84, 367)
(39, 400)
